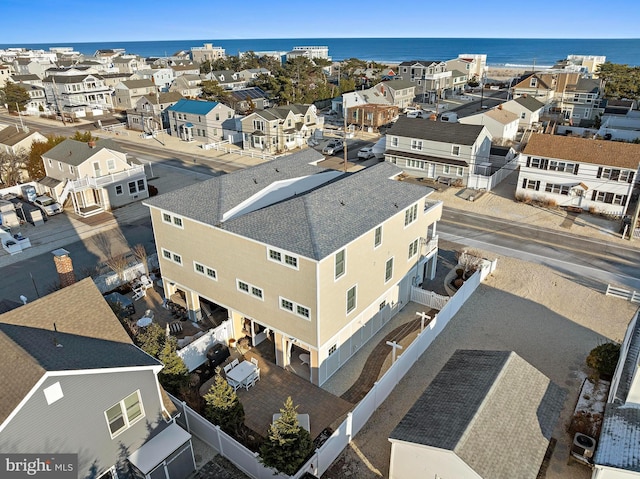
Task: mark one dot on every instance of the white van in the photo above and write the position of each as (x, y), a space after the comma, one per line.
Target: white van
(450, 117)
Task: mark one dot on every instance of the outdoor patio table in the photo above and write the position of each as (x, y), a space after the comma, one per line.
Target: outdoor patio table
(242, 372)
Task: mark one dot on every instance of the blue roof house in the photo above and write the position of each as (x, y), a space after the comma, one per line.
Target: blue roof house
(203, 121)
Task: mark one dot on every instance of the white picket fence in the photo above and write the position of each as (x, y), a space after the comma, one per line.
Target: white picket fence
(625, 294)
(326, 454)
(428, 298)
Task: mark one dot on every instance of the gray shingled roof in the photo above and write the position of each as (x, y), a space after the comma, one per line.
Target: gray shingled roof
(137, 83)
(619, 438)
(398, 84)
(529, 103)
(313, 224)
(492, 408)
(73, 152)
(90, 335)
(60, 79)
(440, 131)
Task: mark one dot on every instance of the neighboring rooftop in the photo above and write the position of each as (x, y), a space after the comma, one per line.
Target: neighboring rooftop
(195, 107)
(584, 150)
(619, 438)
(529, 102)
(73, 152)
(439, 131)
(71, 329)
(492, 408)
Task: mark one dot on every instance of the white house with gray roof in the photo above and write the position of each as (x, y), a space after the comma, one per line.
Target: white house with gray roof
(74, 382)
(435, 149)
(97, 176)
(311, 260)
(527, 108)
(486, 415)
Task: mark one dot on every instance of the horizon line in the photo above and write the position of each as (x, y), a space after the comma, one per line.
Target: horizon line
(318, 38)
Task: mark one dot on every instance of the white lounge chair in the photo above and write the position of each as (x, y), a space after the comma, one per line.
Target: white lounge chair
(145, 282)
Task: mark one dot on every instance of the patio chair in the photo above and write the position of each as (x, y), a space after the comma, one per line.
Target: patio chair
(228, 368)
(139, 294)
(234, 363)
(254, 361)
(145, 282)
(252, 380)
(234, 384)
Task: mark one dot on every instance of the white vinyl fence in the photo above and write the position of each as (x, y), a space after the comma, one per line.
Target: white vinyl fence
(428, 298)
(110, 281)
(625, 294)
(195, 353)
(487, 183)
(324, 456)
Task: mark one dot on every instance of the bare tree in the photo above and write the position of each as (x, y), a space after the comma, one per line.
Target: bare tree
(118, 265)
(141, 255)
(11, 167)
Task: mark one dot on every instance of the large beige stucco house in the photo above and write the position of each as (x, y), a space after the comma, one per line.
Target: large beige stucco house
(313, 260)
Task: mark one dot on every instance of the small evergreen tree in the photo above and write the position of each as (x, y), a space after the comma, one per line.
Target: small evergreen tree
(175, 375)
(604, 358)
(222, 406)
(288, 444)
(151, 339)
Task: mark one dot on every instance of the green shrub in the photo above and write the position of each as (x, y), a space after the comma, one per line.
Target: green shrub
(604, 358)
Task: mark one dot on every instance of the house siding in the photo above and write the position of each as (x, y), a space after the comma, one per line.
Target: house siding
(73, 424)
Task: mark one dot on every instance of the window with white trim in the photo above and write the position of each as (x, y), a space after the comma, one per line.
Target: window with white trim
(124, 414)
(377, 237)
(417, 164)
(536, 163)
(295, 308)
(119, 190)
(111, 164)
(171, 256)
(172, 220)
(351, 299)
(530, 184)
(136, 187)
(557, 189)
(250, 289)
(455, 150)
(339, 263)
(205, 270)
(394, 141)
(562, 166)
(388, 270)
(413, 248)
(410, 214)
(282, 257)
(416, 145)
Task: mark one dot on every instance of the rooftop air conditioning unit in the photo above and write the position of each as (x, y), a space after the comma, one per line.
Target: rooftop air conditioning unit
(583, 447)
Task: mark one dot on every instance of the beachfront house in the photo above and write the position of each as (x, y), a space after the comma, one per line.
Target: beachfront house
(442, 151)
(74, 382)
(581, 173)
(97, 176)
(313, 261)
(431, 77)
(486, 415)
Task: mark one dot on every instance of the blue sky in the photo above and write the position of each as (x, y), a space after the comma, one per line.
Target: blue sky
(42, 21)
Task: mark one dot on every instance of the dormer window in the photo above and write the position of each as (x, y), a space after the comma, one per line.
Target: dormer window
(534, 82)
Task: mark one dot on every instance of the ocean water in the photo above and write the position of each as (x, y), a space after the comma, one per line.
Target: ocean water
(520, 52)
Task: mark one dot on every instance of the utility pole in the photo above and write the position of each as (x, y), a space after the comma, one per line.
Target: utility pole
(55, 97)
(344, 140)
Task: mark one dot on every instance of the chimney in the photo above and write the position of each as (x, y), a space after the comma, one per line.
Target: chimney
(64, 267)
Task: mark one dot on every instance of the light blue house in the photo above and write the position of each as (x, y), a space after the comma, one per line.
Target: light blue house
(204, 121)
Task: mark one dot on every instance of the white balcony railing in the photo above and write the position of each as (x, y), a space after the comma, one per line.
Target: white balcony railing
(102, 181)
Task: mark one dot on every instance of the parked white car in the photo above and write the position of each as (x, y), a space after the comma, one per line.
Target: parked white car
(333, 147)
(47, 205)
(366, 153)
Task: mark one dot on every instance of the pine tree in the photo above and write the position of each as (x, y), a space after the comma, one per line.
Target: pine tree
(222, 405)
(288, 444)
(175, 374)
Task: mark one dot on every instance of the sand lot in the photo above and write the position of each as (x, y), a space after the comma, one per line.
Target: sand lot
(550, 320)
